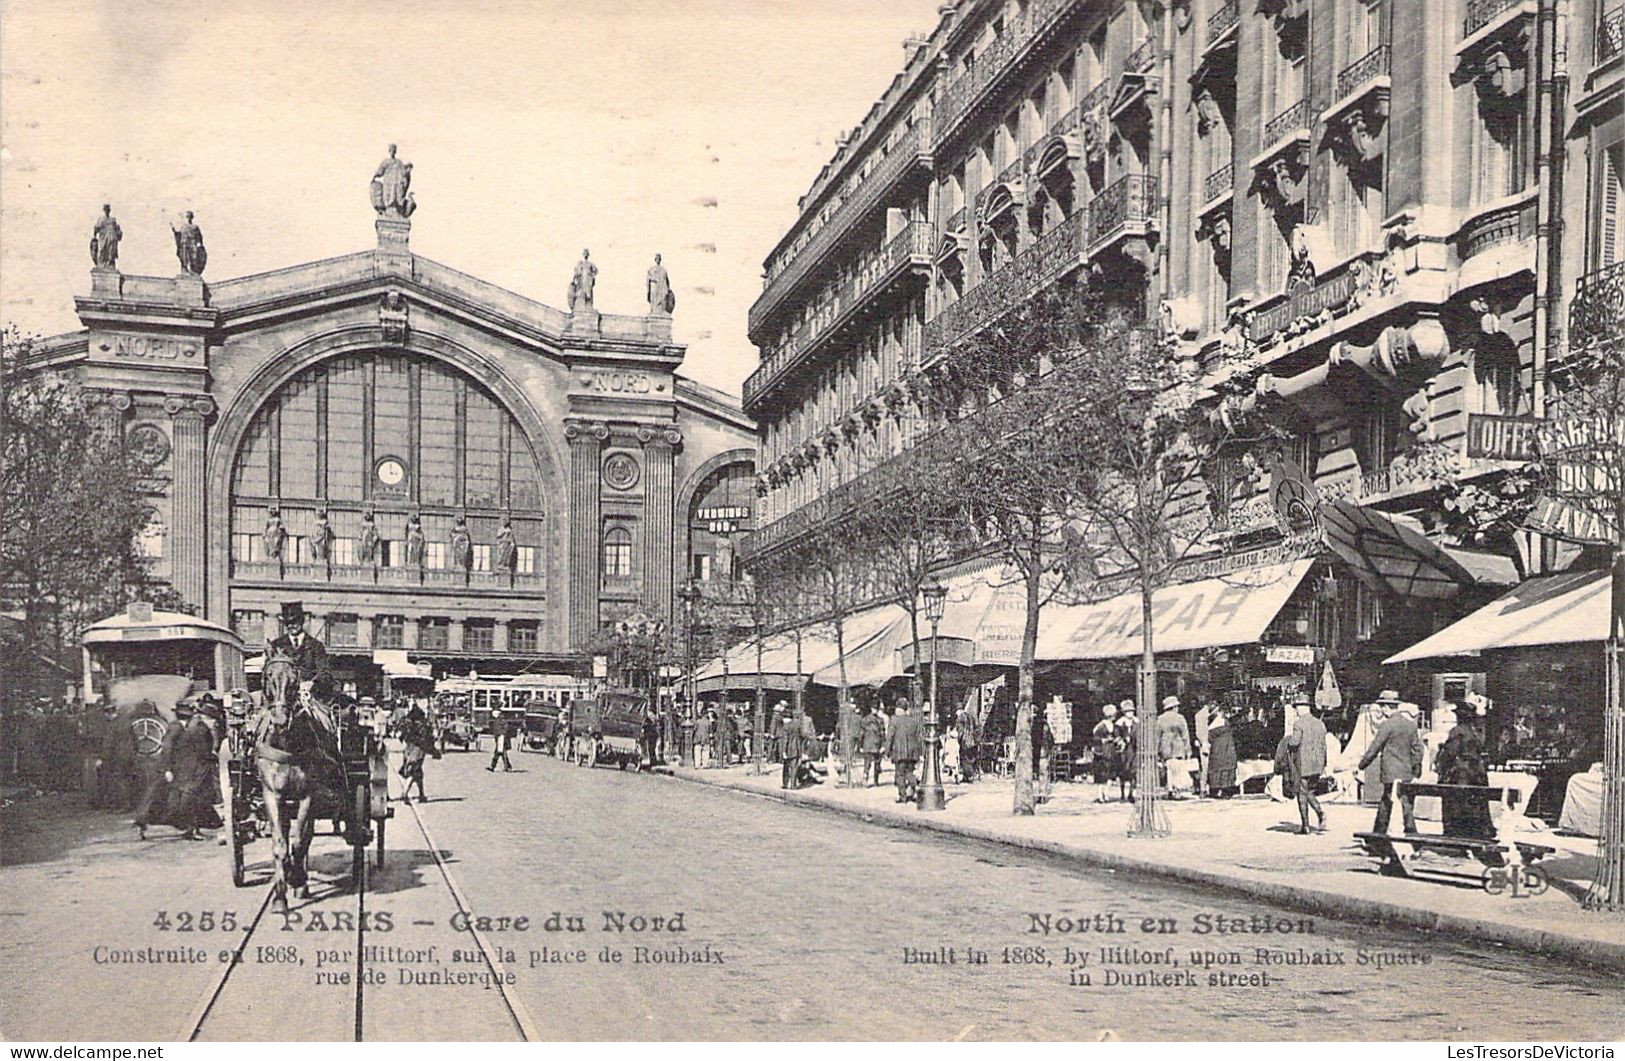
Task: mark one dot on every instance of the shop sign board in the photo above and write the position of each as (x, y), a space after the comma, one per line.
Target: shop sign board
(1302, 655)
(1503, 438)
(1557, 518)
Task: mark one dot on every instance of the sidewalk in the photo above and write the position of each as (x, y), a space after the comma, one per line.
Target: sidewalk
(1244, 846)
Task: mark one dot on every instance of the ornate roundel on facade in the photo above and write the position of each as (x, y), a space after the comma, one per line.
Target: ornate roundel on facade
(148, 444)
(621, 471)
(391, 473)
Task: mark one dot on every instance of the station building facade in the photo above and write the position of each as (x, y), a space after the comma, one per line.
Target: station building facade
(386, 405)
(1399, 213)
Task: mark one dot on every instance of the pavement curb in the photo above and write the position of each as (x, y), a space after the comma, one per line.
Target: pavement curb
(1577, 949)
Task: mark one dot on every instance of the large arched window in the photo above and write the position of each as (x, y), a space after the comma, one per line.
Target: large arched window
(618, 553)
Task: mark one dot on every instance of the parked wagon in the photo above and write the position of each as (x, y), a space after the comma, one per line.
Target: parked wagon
(609, 728)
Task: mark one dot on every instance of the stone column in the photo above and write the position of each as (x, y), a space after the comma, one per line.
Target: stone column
(586, 444)
(189, 530)
(659, 445)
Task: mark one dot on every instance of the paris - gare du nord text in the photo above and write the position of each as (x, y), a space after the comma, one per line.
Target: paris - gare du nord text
(431, 464)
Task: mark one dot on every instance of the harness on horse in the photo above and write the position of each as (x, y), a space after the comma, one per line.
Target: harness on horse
(278, 721)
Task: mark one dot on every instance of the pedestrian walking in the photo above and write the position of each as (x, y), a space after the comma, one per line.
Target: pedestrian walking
(1460, 761)
(1173, 746)
(871, 743)
(1397, 750)
(189, 767)
(903, 748)
(790, 746)
(1104, 737)
(502, 733)
(1128, 745)
(1307, 742)
(149, 734)
(418, 743)
(702, 739)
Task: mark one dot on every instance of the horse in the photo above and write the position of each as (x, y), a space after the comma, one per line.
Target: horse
(296, 755)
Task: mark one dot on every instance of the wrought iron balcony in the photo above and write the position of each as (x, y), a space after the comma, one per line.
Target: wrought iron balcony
(910, 150)
(989, 68)
(1011, 172)
(1610, 34)
(1128, 207)
(911, 246)
(955, 222)
(1292, 120)
(1481, 13)
(1052, 256)
(1222, 21)
(1220, 182)
(1598, 310)
(1368, 67)
(1095, 99)
(1141, 59)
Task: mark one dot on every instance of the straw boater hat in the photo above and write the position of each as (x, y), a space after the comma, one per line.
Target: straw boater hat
(1108, 711)
(1387, 696)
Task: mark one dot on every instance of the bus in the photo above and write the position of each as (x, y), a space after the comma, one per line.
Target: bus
(477, 696)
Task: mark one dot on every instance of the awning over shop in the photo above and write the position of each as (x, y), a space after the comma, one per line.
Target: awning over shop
(1227, 610)
(1390, 554)
(870, 662)
(1553, 610)
(778, 667)
(396, 664)
(981, 624)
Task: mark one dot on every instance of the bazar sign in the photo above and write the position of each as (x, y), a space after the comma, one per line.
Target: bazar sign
(1303, 654)
(1503, 438)
(1303, 301)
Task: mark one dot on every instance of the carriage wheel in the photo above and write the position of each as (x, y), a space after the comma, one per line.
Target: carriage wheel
(233, 833)
(358, 835)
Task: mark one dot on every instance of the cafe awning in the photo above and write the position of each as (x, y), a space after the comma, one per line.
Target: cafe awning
(1390, 554)
(1551, 610)
(778, 665)
(981, 624)
(1230, 609)
(395, 664)
(869, 662)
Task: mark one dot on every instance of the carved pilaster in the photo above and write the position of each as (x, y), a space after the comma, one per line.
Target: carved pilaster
(659, 541)
(586, 438)
(189, 525)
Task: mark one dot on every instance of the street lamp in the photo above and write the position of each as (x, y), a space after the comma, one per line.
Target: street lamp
(932, 797)
(690, 596)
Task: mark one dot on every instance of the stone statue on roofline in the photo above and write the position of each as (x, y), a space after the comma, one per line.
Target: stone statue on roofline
(392, 187)
(582, 282)
(662, 300)
(104, 240)
(189, 246)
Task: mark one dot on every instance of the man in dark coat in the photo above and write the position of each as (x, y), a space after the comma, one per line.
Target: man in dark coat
(903, 748)
(189, 768)
(503, 730)
(308, 653)
(1396, 748)
(790, 750)
(148, 733)
(418, 743)
(1460, 761)
(871, 743)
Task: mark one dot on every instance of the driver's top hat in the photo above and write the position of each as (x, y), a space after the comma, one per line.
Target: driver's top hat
(292, 610)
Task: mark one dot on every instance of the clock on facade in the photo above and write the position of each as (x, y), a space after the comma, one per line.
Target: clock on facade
(391, 472)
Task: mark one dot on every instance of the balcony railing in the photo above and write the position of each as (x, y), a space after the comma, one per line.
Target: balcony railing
(792, 268)
(1610, 33)
(1127, 203)
(1371, 65)
(1141, 59)
(1220, 182)
(1289, 121)
(363, 574)
(1051, 256)
(956, 221)
(1598, 310)
(871, 277)
(1481, 13)
(1011, 172)
(988, 68)
(1223, 20)
(1094, 99)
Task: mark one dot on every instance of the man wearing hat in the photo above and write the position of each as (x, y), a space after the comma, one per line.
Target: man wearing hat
(1173, 742)
(1308, 749)
(188, 759)
(308, 653)
(1396, 748)
(1460, 761)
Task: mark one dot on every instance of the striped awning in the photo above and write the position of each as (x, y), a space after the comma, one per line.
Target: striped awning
(1551, 610)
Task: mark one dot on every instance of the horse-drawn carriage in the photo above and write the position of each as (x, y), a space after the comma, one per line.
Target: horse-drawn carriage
(608, 728)
(295, 760)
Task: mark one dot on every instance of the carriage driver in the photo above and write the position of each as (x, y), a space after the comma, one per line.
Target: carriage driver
(307, 652)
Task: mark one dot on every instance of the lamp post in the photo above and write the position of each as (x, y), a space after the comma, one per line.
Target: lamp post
(932, 797)
(690, 596)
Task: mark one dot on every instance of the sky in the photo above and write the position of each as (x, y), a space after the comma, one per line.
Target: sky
(535, 129)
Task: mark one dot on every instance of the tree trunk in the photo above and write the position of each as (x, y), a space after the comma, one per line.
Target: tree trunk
(914, 679)
(759, 721)
(1022, 798)
(1148, 816)
(844, 705)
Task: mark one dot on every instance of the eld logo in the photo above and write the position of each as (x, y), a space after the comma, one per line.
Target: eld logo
(1520, 882)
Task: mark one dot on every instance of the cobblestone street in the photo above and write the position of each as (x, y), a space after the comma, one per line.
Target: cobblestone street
(814, 916)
